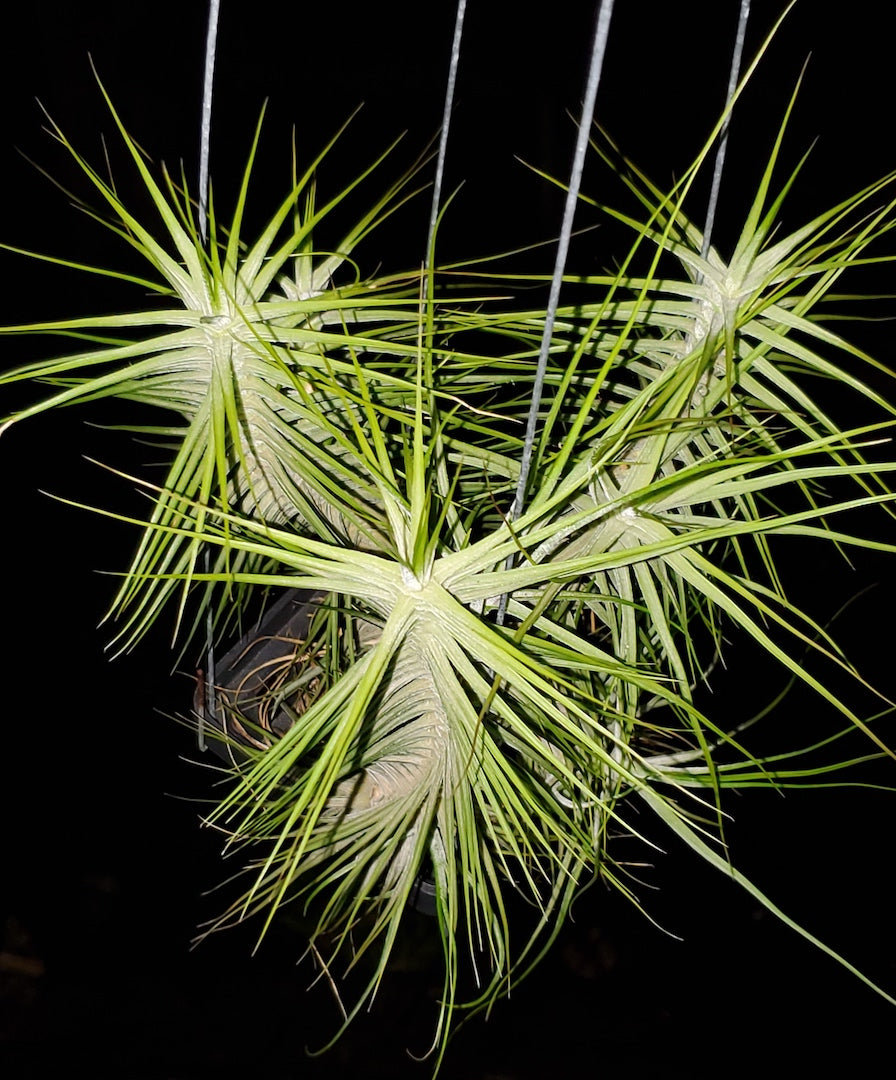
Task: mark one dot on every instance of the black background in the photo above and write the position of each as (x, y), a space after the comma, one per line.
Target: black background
(104, 864)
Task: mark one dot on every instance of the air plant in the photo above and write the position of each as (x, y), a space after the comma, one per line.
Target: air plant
(481, 696)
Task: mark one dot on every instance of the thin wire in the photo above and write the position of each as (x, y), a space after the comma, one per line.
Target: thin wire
(446, 122)
(598, 52)
(209, 704)
(205, 131)
(733, 76)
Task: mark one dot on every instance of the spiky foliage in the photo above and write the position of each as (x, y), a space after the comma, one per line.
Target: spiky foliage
(336, 441)
(235, 328)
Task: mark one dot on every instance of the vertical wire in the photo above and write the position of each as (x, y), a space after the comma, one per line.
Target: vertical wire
(598, 52)
(208, 705)
(423, 892)
(446, 123)
(205, 131)
(719, 164)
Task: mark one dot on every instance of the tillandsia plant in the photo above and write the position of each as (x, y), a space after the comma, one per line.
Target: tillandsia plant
(484, 696)
(218, 351)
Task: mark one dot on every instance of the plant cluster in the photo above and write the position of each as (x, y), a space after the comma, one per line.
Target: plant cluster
(491, 686)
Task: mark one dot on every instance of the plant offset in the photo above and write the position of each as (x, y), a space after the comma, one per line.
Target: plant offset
(487, 698)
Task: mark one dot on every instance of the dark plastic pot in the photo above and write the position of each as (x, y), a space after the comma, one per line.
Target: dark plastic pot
(240, 683)
(241, 677)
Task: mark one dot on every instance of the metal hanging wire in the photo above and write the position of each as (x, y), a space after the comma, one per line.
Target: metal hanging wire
(598, 53)
(453, 65)
(205, 130)
(719, 164)
(208, 703)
